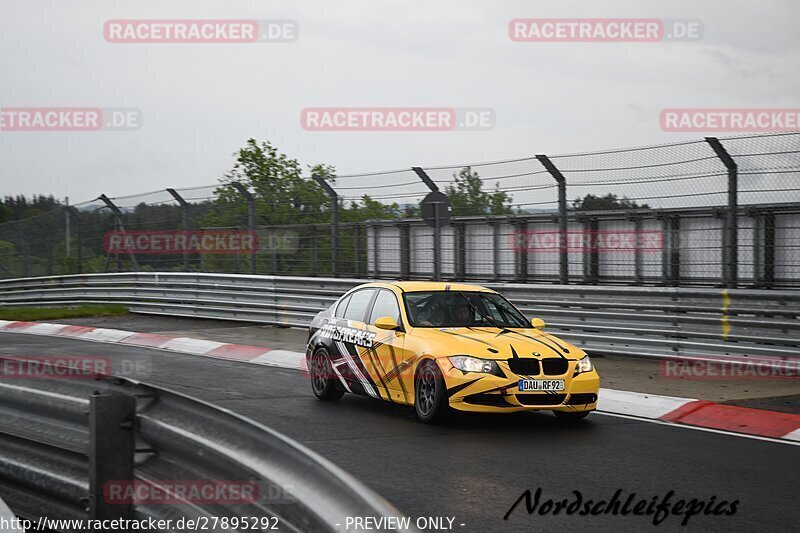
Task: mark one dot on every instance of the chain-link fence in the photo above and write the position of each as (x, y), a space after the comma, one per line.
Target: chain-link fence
(706, 212)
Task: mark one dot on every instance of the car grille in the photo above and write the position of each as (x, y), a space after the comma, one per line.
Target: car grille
(524, 367)
(490, 400)
(541, 399)
(555, 366)
(582, 398)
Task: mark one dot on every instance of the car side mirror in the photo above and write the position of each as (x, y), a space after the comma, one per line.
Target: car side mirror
(538, 323)
(386, 322)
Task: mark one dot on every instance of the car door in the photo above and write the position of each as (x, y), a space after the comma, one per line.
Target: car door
(349, 341)
(387, 358)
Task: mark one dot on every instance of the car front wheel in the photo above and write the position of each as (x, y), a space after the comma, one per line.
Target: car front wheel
(430, 394)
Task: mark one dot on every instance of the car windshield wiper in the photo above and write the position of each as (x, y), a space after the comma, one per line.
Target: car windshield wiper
(488, 318)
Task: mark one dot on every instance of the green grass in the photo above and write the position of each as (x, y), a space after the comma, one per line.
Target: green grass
(53, 313)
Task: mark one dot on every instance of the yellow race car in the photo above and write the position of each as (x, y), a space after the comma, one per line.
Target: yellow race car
(445, 346)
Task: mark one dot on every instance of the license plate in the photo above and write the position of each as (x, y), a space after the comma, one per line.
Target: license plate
(541, 385)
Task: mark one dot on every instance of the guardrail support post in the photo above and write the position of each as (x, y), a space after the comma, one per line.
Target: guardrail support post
(731, 261)
(334, 223)
(184, 223)
(112, 421)
(118, 217)
(563, 253)
(251, 220)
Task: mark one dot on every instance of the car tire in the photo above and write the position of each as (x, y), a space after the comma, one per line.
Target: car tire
(571, 416)
(320, 371)
(430, 393)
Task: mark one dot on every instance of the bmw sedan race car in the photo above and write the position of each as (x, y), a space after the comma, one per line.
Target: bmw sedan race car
(442, 347)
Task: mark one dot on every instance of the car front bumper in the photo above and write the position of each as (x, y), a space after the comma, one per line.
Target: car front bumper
(487, 393)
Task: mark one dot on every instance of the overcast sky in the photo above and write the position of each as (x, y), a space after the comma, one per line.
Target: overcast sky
(200, 102)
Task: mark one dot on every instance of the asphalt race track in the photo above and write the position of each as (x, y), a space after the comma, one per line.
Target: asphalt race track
(476, 467)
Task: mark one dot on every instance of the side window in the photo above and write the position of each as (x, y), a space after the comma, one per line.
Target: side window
(358, 304)
(342, 307)
(385, 305)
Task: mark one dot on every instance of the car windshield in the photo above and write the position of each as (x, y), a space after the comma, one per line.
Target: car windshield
(446, 309)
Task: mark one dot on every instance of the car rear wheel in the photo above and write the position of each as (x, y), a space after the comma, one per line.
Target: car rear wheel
(430, 394)
(571, 415)
(323, 383)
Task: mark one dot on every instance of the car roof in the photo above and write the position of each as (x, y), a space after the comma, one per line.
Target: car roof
(417, 286)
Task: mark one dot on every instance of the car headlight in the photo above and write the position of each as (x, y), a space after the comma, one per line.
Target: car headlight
(466, 363)
(584, 365)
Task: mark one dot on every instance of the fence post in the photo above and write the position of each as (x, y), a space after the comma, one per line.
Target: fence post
(25, 255)
(118, 217)
(112, 420)
(637, 252)
(184, 223)
(521, 254)
(460, 249)
(314, 245)
(74, 219)
(731, 262)
(251, 220)
(334, 223)
(769, 250)
(437, 229)
(563, 255)
(375, 255)
(67, 243)
(496, 250)
(357, 251)
(594, 253)
(675, 250)
(405, 251)
(758, 230)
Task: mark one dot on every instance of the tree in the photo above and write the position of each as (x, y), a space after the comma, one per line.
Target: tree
(467, 196)
(590, 202)
(369, 209)
(283, 196)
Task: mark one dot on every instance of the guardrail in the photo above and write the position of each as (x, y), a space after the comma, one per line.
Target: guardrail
(640, 321)
(63, 440)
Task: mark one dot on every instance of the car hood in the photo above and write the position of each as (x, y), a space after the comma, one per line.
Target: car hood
(496, 343)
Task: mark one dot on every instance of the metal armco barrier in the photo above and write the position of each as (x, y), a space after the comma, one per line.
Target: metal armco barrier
(639, 321)
(62, 440)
